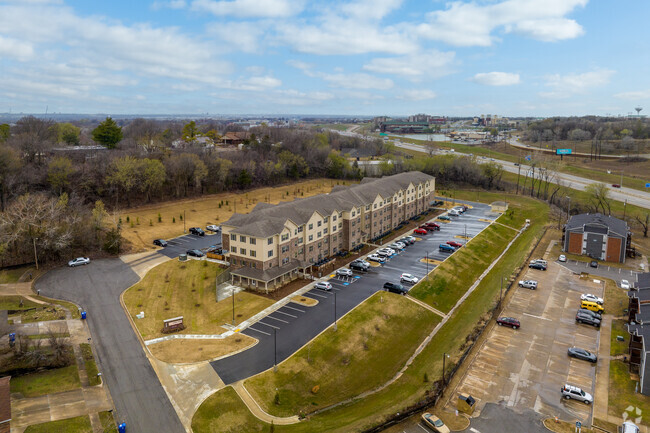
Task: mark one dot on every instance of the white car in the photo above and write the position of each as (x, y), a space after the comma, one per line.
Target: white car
(344, 272)
(625, 284)
(408, 278)
(562, 258)
(387, 251)
(213, 228)
(78, 261)
(453, 212)
(592, 298)
(323, 285)
(528, 284)
(376, 258)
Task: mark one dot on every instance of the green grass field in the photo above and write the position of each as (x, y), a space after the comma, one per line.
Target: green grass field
(108, 422)
(224, 412)
(13, 275)
(80, 424)
(621, 392)
(338, 360)
(187, 289)
(619, 347)
(46, 382)
(91, 366)
(616, 299)
(13, 303)
(409, 388)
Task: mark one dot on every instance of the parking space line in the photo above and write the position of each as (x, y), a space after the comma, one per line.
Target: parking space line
(261, 332)
(286, 314)
(275, 318)
(315, 294)
(270, 326)
(297, 309)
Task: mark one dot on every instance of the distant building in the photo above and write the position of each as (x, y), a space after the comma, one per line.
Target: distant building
(597, 236)
(235, 138)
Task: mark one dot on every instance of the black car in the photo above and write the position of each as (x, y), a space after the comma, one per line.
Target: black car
(359, 266)
(395, 288)
(160, 242)
(576, 352)
(405, 241)
(197, 231)
(195, 253)
(535, 265)
(587, 319)
(593, 264)
(593, 314)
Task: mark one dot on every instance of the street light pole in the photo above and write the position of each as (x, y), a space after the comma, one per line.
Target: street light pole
(35, 255)
(275, 349)
(233, 306)
(335, 325)
(427, 260)
(444, 379)
(184, 221)
(568, 209)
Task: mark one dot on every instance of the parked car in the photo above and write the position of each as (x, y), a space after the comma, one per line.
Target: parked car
(213, 228)
(594, 314)
(427, 228)
(160, 242)
(444, 248)
(570, 391)
(535, 265)
(397, 246)
(562, 258)
(592, 298)
(406, 241)
(197, 231)
(195, 253)
(459, 209)
(508, 321)
(323, 285)
(593, 306)
(629, 427)
(434, 423)
(358, 266)
(444, 218)
(395, 288)
(79, 261)
(528, 284)
(454, 244)
(540, 261)
(587, 319)
(411, 238)
(593, 264)
(344, 272)
(453, 212)
(408, 278)
(434, 225)
(376, 258)
(386, 251)
(616, 185)
(585, 355)
(625, 284)
(420, 231)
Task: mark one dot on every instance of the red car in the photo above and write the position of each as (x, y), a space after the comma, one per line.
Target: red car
(508, 321)
(434, 225)
(420, 231)
(427, 228)
(615, 185)
(454, 244)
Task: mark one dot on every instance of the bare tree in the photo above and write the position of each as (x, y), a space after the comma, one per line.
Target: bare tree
(644, 222)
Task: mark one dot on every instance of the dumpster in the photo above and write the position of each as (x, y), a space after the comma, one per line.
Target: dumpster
(182, 257)
(466, 404)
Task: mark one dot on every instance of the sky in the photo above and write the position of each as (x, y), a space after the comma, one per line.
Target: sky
(335, 57)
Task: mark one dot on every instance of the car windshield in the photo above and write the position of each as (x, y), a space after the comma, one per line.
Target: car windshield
(438, 423)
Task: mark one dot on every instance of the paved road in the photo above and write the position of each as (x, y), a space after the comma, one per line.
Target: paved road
(294, 325)
(497, 418)
(612, 272)
(181, 244)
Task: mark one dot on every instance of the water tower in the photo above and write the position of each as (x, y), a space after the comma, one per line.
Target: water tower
(638, 110)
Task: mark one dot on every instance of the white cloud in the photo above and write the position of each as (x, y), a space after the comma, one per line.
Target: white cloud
(358, 81)
(171, 4)
(496, 78)
(417, 95)
(432, 64)
(259, 83)
(634, 95)
(472, 24)
(14, 48)
(249, 8)
(239, 36)
(565, 85)
(370, 9)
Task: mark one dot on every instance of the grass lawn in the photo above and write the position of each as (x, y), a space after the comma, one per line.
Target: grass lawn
(187, 289)
(621, 392)
(339, 360)
(13, 303)
(224, 412)
(80, 424)
(619, 347)
(616, 299)
(565, 426)
(46, 382)
(140, 225)
(91, 365)
(72, 308)
(186, 351)
(108, 422)
(47, 336)
(409, 388)
(13, 275)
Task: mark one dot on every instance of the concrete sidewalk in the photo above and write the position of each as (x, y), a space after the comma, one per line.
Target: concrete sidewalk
(257, 411)
(20, 289)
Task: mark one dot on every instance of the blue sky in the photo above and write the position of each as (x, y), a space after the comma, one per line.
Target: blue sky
(359, 57)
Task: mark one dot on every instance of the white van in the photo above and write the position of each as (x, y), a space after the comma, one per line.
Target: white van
(629, 427)
(454, 212)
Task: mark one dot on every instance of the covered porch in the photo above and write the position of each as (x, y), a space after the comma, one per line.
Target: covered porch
(269, 279)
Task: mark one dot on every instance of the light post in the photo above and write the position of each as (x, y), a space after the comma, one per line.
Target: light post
(624, 209)
(568, 208)
(275, 350)
(184, 222)
(501, 293)
(233, 306)
(35, 255)
(444, 379)
(465, 225)
(335, 325)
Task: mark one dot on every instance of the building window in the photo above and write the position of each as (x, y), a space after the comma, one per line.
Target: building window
(340, 225)
(285, 249)
(334, 229)
(353, 223)
(334, 250)
(285, 261)
(269, 241)
(299, 240)
(311, 226)
(233, 237)
(253, 241)
(233, 249)
(300, 229)
(375, 206)
(326, 219)
(311, 248)
(319, 224)
(326, 240)
(311, 238)
(253, 253)
(242, 251)
(318, 234)
(334, 218)
(242, 238)
(270, 254)
(325, 231)
(340, 214)
(334, 238)
(285, 237)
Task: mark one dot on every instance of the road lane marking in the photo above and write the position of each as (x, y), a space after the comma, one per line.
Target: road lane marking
(275, 318)
(538, 317)
(261, 332)
(270, 326)
(286, 314)
(472, 429)
(316, 294)
(294, 308)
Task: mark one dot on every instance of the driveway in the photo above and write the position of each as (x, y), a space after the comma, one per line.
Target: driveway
(139, 398)
(181, 244)
(524, 369)
(286, 330)
(615, 273)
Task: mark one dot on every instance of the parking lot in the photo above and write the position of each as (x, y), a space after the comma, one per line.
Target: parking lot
(525, 368)
(286, 330)
(181, 244)
(603, 270)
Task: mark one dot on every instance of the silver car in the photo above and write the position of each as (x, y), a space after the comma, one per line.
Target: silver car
(78, 261)
(344, 272)
(323, 285)
(573, 392)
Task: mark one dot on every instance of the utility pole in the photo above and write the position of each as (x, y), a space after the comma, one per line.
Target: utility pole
(184, 221)
(233, 306)
(444, 379)
(518, 173)
(275, 350)
(568, 209)
(35, 255)
(335, 325)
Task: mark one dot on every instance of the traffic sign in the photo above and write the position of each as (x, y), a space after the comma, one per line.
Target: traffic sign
(647, 185)
(528, 158)
(563, 151)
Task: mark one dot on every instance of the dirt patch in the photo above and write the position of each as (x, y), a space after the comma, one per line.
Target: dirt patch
(192, 350)
(304, 300)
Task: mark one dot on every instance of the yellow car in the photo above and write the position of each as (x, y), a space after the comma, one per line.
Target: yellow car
(434, 423)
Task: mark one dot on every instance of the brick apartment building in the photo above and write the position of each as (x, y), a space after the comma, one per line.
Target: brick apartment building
(598, 236)
(272, 244)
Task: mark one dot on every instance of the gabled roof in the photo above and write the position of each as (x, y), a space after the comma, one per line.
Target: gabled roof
(615, 225)
(642, 281)
(268, 220)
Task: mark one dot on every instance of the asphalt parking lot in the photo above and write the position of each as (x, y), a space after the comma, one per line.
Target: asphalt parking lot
(525, 369)
(615, 273)
(181, 244)
(286, 330)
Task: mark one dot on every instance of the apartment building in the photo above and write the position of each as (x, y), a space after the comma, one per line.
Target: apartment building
(274, 244)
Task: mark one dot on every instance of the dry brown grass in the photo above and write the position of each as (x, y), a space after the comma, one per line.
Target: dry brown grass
(143, 227)
(564, 426)
(455, 423)
(186, 350)
(304, 300)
